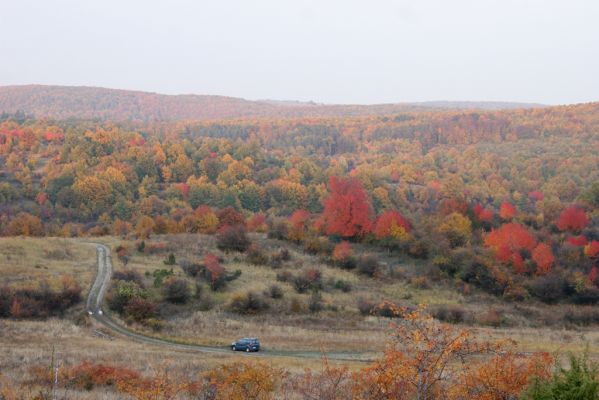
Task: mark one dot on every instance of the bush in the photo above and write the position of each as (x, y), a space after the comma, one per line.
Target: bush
(365, 306)
(344, 286)
(176, 291)
(190, 268)
(308, 279)
(368, 265)
(315, 303)
(160, 275)
(275, 292)
(317, 245)
(121, 293)
(232, 238)
(284, 276)
(39, 303)
(278, 258)
(491, 317)
(587, 296)
(549, 288)
(584, 316)
(139, 309)
(248, 303)
(255, 255)
(278, 228)
(579, 381)
(170, 260)
(420, 282)
(451, 314)
(128, 275)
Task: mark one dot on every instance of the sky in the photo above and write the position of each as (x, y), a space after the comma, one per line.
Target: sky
(327, 51)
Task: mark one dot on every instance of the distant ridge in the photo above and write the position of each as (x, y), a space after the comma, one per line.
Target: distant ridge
(83, 102)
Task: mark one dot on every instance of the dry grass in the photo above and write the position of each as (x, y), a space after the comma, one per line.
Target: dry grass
(28, 261)
(25, 261)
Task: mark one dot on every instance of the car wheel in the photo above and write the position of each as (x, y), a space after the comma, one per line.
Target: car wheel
(247, 350)
(233, 348)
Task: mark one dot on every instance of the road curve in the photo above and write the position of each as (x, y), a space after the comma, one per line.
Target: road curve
(94, 309)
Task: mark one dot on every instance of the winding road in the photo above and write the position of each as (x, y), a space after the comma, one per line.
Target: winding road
(94, 309)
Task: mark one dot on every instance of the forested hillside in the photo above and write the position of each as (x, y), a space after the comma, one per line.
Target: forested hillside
(120, 105)
(506, 201)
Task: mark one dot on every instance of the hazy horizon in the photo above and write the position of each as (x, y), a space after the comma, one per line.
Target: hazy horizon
(335, 53)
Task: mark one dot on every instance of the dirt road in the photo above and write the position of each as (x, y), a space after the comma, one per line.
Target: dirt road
(94, 309)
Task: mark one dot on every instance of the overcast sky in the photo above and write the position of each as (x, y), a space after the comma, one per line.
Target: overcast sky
(333, 51)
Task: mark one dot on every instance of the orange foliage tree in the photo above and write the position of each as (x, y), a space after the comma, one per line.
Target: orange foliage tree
(543, 257)
(243, 380)
(415, 363)
(502, 377)
(507, 211)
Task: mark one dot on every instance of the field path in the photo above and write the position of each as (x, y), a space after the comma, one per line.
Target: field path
(94, 309)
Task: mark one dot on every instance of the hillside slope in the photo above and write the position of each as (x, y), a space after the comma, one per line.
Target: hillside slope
(81, 102)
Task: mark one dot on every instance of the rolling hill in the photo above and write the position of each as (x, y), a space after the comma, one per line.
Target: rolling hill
(64, 102)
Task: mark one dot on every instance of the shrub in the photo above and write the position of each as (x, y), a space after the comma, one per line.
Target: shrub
(248, 303)
(368, 265)
(128, 275)
(255, 255)
(587, 296)
(585, 316)
(317, 245)
(278, 258)
(365, 306)
(121, 293)
(190, 268)
(160, 274)
(232, 238)
(419, 282)
(308, 279)
(315, 303)
(278, 228)
(343, 286)
(451, 314)
(275, 292)
(170, 260)
(491, 317)
(139, 309)
(579, 381)
(176, 291)
(39, 303)
(548, 288)
(284, 276)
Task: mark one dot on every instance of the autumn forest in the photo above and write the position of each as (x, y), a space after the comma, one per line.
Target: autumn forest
(326, 207)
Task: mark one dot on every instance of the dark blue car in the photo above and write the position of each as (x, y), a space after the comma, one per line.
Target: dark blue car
(246, 344)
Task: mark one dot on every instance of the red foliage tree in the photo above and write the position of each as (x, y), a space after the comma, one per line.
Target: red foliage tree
(592, 249)
(577, 240)
(543, 257)
(572, 219)
(297, 222)
(214, 267)
(536, 196)
(347, 210)
(507, 211)
(482, 214)
(593, 275)
(508, 240)
(230, 217)
(257, 223)
(342, 251)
